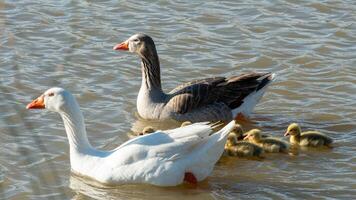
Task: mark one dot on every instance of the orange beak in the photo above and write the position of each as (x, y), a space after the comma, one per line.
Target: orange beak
(122, 46)
(286, 133)
(37, 103)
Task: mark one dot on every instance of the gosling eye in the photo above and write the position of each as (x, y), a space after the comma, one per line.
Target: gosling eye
(51, 94)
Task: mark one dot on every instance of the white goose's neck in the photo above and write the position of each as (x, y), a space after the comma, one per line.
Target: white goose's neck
(75, 129)
(79, 144)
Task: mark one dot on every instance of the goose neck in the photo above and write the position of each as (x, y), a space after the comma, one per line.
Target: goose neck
(151, 75)
(75, 129)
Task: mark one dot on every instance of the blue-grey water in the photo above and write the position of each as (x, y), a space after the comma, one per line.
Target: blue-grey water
(310, 44)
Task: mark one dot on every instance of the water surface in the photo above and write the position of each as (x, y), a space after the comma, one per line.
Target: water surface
(309, 44)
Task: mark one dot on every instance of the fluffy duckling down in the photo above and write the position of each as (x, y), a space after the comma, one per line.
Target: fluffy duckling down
(233, 147)
(186, 123)
(147, 130)
(150, 129)
(308, 138)
(240, 135)
(237, 132)
(268, 144)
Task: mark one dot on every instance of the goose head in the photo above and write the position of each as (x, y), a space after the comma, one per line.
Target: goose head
(139, 43)
(293, 130)
(54, 99)
(253, 135)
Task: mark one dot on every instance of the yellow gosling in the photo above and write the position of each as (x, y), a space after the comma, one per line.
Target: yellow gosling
(240, 135)
(308, 138)
(233, 147)
(231, 140)
(244, 149)
(238, 132)
(147, 130)
(186, 123)
(269, 144)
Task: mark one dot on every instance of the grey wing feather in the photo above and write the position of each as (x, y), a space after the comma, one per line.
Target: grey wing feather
(230, 91)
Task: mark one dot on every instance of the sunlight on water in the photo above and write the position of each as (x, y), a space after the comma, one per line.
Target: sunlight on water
(309, 44)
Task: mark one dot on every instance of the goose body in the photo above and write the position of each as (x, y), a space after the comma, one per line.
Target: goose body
(269, 144)
(308, 138)
(209, 99)
(163, 158)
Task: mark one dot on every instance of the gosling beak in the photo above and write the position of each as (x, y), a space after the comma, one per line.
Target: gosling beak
(37, 103)
(246, 137)
(286, 134)
(122, 46)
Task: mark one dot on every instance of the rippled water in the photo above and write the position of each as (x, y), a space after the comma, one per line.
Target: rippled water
(310, 45)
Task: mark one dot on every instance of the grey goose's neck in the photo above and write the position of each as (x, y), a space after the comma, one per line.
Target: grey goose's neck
(151, 75)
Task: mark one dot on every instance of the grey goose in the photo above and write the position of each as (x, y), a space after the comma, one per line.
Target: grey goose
(208, 99)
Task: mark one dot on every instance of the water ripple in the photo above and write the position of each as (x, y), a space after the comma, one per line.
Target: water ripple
(309, 44)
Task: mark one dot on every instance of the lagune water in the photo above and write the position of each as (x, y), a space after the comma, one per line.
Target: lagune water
(311, 45)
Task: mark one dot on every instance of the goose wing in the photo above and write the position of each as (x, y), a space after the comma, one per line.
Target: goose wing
(165, 145)
(230, 91)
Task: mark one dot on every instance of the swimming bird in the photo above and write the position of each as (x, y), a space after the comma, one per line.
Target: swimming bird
(269, 144)
(234, 147)
(147, 130)
(237, 132)
(162, 158)
(209, 99)
(308, 138)
(186, 123)
(240, 134)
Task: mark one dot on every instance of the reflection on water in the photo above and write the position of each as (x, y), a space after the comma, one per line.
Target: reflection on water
(309, 44)
(86, 188)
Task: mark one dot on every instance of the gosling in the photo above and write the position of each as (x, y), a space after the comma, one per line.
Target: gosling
(147, 130)
(269, 144)
(308, 138)
(233, 147)
(238, 132)
(186, 123)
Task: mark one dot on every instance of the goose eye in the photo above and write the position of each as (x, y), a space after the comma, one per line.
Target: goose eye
(51, 94)
(136, 40)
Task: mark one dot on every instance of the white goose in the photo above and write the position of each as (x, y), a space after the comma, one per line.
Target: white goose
(165, 158)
